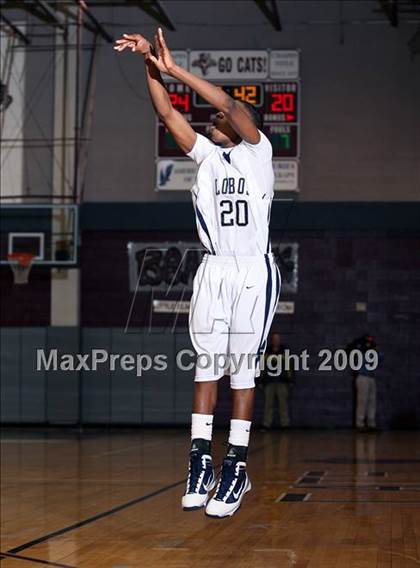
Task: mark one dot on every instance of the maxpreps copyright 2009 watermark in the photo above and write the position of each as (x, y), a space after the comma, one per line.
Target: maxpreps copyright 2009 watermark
(185, 360)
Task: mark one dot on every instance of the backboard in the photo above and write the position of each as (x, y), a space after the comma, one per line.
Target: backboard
(49, 232)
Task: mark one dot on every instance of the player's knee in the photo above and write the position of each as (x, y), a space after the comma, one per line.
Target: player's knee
(238, 383)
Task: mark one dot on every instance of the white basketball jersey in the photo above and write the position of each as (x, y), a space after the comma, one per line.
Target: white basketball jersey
(232, 196)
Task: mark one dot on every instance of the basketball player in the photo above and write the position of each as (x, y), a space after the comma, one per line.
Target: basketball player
(237, 285)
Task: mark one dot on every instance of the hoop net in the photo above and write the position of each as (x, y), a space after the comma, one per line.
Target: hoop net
(21, 264)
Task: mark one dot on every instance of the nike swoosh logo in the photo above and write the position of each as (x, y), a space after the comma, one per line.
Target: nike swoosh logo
(236, 495)
(209, 423)
(248, 287)
(208, 485)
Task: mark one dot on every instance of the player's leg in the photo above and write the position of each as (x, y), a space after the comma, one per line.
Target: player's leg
(253, 310)
(207, 337)
(201, 477)
(234, 481)
(205, 398)
(240, 424)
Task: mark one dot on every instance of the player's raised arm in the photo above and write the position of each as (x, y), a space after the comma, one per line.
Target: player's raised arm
(234, 111)
(184, 135)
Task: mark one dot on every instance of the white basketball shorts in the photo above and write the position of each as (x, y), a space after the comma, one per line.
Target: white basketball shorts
(232, 307)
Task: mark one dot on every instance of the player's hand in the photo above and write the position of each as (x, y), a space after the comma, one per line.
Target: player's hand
(164, 60)
(136, 42)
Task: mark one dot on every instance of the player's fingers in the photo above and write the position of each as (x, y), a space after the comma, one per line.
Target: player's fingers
(124, 46)
(135, 37)
(159, 42)
(157, 45)
(153, 59)
(162, 39)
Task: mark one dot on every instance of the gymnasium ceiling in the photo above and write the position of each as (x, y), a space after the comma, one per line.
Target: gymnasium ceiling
(100, 16)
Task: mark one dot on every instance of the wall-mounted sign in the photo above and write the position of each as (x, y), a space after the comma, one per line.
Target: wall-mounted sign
(171, 266)
(180, 174)
(239, 63)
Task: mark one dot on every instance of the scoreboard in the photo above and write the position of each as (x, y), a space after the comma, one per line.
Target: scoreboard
(277, 98)
(278, 102)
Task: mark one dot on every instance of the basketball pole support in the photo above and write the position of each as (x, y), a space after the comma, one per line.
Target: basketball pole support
(74, 96)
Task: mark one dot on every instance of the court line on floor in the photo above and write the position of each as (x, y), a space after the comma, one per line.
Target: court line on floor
(348, 461)
(137, 446)
(31, 559)
(383, 501)
(170, 548)
(97, 517)
(291, 554)
(74, 480)
(111, 511)
(375, 486)
(30, 441)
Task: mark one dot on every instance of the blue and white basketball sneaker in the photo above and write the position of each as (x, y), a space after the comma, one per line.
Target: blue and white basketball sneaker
(201, 480)
(233, 484)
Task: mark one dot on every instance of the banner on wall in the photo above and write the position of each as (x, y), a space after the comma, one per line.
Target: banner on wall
(171, 266)
(239, 63)
(179, 175)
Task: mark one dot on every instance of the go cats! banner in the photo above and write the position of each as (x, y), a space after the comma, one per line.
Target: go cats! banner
(242, 64)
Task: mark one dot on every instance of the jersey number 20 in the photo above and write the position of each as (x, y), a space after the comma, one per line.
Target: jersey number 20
(234, 213)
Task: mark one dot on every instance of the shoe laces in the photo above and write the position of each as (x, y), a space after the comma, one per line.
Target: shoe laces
(228, 477)
(196, 471)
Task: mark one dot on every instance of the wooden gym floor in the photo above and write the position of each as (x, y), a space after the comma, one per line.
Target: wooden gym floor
(102, 500)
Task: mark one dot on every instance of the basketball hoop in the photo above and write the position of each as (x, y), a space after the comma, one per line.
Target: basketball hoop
(21, 264)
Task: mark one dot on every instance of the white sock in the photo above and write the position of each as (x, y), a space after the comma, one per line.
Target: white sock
(239, 432)
(202, 426)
